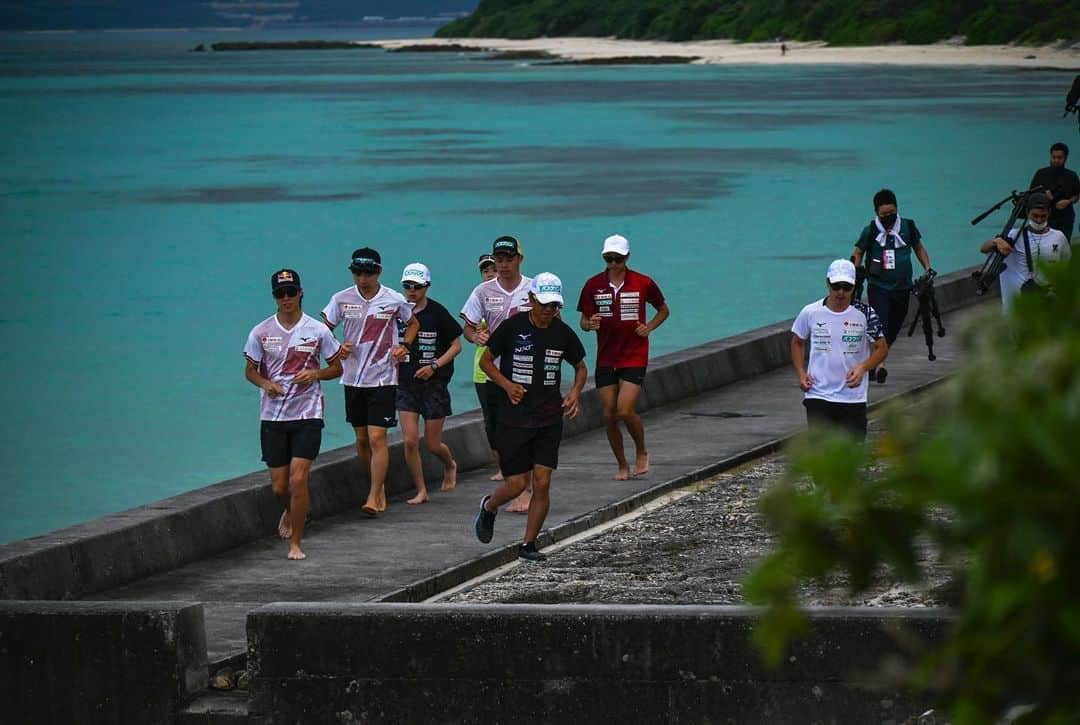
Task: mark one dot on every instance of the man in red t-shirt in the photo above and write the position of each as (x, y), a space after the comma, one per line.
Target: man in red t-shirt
(613, 304)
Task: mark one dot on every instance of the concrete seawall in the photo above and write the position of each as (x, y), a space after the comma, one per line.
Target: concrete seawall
(572, 664)
(133, 544)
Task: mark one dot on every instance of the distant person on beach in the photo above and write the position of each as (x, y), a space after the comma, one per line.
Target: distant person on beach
(531, 347)
(884, 248)
(846, 342)
(783, 49)
(612, 304)
(423, 376)
(490, 304)
(486, 264)
(368, 313)
(282, 354)
(1025, 248)
(1062, 186)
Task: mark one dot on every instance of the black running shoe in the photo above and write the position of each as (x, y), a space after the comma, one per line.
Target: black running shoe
(528, 552)
(485, 522)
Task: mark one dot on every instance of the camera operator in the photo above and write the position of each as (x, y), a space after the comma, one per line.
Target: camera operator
(1033, 242)
(886, 244)
(1062, 186)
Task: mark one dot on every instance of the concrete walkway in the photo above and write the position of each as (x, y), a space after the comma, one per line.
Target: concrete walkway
(352, 558)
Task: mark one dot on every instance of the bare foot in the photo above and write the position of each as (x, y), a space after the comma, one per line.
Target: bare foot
(641, 465)
(370, 510)
(420, 497)
(449, 482)
(497, 476)
(284, 526)
(623, 473)
(520, 505)
(295, 554)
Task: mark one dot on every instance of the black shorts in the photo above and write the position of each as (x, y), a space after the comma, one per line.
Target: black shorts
(611, 376)
(490, 406)
(371, 406)
(522, 448)
(284, 440)
(429, 398)
(848, 416)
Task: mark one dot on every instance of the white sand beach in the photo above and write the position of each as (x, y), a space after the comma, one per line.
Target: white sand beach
(951, 53)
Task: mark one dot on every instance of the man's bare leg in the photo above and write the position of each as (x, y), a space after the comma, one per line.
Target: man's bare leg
(363, 454)
(299, 504)
(279, 484)
(508, 490)
(380, 463)
(541, 502)
(436, 446)
(410, 430)
(628, 395)
(609, 399)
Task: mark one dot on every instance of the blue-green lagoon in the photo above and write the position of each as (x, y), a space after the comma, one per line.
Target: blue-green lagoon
(146, 193)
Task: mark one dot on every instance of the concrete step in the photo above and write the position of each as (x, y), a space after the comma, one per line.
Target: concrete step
(217, 707)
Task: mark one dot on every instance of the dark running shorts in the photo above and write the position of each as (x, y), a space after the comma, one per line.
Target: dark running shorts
(522, 448)
(284, 440)
(371, 406)
(429, 398)
(611, 376)
(848, 416)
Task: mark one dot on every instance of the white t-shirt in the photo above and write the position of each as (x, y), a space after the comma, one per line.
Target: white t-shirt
(1049, 246)
(490, 303)
(371, 326)
(279, 354)
(838, 342)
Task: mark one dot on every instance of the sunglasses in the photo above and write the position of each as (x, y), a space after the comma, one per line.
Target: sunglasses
(550, 306)
(842, 287)
(413, 285)
(283, 292)
(614, 259)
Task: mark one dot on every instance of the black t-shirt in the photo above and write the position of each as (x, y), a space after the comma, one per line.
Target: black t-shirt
(532, 357)
(1063, 184)
(438, 329)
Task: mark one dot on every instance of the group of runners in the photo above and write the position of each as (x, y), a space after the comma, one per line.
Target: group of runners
(396, 358)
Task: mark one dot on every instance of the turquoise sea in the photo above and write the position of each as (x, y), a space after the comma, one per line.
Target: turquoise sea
(146, 193)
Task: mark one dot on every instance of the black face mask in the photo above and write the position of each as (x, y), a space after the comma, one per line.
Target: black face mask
(888, 220)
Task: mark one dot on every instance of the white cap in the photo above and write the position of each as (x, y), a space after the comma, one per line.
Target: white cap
(841, 270)
(547, 288)
(416, 272)
(618, 244)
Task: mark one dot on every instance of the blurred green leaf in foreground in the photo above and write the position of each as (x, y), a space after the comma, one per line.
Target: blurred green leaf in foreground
(985, 470)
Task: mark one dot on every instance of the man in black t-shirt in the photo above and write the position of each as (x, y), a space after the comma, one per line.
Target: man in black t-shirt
(1062, 186)
(422, 379)
(530, 348)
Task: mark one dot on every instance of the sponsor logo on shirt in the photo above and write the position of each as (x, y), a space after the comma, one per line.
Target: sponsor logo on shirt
(306, 348)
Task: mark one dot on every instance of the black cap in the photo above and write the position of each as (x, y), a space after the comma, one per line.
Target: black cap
(506, 244)
(1038, 200)
(284, 278)
(365, 259)
(485, 260)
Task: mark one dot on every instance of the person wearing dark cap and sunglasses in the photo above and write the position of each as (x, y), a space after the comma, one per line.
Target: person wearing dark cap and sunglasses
(369, 314)
(490, 304)
(282, 360)
(846, 343)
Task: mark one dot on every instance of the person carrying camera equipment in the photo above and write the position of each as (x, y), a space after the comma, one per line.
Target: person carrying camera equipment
(1072, 98)
(1062, 186)
(1025, 247)
(928, 308)
(885, 248)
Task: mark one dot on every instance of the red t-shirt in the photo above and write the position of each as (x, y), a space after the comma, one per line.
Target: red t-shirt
(618, 346)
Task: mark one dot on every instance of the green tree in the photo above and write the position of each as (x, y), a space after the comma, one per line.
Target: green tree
(988, 471)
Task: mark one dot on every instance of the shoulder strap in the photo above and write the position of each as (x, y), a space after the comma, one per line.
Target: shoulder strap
(1027, 250)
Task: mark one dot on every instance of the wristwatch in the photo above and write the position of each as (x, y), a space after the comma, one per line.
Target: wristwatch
(434, 364)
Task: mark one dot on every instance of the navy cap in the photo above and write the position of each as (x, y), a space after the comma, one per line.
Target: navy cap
(284, 278)
(506, 245)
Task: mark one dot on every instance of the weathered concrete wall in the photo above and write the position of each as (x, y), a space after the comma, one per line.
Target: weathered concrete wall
(132, 544)
(569, 664)
(71, 663)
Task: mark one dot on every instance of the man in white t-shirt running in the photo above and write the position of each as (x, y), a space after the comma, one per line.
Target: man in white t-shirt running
(1046, 244)
(846, 341)
(369, 315)
(282, 354)
(491, 303)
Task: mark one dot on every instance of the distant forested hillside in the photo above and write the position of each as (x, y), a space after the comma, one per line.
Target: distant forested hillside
(840, 22)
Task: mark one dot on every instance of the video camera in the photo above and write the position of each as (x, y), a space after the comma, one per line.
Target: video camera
(923, 289)
(995, 263)
(1072, 98)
